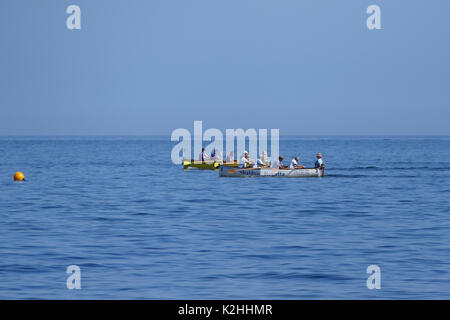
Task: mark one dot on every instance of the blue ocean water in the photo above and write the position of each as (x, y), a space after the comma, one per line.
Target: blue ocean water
(140, 227)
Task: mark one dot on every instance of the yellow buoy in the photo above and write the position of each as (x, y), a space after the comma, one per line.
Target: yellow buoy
(19, 176)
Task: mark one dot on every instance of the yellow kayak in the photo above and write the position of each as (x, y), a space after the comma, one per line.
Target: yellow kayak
(206, 165)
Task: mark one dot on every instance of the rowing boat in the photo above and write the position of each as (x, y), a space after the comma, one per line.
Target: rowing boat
(271, 172)
(206, 165)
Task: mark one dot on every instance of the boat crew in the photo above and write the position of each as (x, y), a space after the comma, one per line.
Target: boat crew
(215, 155)
(264, 157)
(319, 162)
(278, 164)
(203, 156)
(261, 162)
(244, 160)
(294, 164)
(230, 158)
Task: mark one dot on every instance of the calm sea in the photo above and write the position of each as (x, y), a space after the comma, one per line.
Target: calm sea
(140, 227)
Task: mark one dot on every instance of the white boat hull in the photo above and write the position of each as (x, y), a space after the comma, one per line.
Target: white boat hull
(271, 172)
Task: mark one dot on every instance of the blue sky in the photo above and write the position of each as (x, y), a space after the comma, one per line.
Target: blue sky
(149, 67)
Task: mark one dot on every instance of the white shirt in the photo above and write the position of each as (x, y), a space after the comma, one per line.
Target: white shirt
(293, 163)
(258, 163)
(205, 156)
(319, 163)
(230, 158)
(243, 162)
(275, 164)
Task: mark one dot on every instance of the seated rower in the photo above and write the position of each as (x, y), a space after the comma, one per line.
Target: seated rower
(244, 161)
(230, 158)
(203, 156)
(294, 164)
(319, 162)
(278, 164)
(261, 162)
(215, 155)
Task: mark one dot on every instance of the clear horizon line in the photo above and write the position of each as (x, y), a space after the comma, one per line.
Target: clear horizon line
(168, 135)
